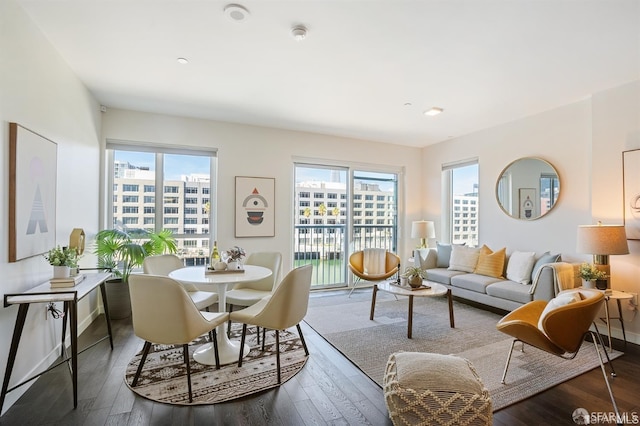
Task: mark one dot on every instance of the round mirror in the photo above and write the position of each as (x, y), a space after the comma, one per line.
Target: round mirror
(528, 188)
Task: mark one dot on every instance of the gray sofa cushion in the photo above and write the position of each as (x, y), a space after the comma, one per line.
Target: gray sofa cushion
(442, 275)
(473, 282)
(510, 290)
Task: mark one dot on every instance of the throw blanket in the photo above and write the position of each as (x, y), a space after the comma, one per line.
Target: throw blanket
(562, 277)
(375, 260)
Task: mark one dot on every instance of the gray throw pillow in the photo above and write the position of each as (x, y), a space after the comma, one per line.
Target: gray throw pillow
(543, 260)
(444, 254)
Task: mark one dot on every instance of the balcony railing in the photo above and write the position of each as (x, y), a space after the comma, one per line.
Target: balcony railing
(323, 246)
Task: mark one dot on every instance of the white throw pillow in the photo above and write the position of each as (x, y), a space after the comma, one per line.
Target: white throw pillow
(520, 266)
(556, 302)
(463, 258)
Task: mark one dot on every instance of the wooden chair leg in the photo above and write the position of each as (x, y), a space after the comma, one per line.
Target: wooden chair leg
(244, 334)
(145, 352)
(185, 353)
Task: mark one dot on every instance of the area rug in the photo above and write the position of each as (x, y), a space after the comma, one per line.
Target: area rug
(164, 375)
(344, 322)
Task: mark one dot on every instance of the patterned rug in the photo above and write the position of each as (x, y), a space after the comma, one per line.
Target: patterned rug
(344, 322)
(164, 375)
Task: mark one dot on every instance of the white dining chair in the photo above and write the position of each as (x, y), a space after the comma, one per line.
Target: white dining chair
(164, 263)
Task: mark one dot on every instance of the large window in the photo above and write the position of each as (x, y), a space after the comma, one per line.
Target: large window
(460, 192)
(164, 178)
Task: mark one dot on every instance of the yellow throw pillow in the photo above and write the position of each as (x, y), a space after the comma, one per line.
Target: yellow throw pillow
(491, 263)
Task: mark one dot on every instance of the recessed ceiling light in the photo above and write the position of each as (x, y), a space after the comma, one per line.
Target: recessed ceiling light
(299, 32)
(236, 13)
(433, 111)
(183, 61)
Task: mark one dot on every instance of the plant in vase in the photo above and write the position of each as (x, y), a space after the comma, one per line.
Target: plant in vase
(121, 250)
(590, 274)
(414, 276)
(234, 257)
(62, 259)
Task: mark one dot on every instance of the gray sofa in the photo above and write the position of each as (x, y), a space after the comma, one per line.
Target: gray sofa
(498, 292)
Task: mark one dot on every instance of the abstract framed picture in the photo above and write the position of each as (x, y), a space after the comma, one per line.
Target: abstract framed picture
(32, 193)
(255, 206)
(527, 203)
(631, 195)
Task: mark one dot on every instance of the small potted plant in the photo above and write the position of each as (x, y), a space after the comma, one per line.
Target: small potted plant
(414, 276)
(234, 257)
(590, 274)
(62, 259)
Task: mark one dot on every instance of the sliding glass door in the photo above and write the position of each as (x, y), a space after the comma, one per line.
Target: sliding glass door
(338, 211)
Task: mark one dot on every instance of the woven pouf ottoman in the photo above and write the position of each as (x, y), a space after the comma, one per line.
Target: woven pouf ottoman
(433, 389)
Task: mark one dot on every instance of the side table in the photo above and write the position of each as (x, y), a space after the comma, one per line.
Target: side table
(70, 297)
(617, 296)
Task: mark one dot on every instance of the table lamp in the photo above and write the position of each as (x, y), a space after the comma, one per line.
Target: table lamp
(601, 241)
(423, 229)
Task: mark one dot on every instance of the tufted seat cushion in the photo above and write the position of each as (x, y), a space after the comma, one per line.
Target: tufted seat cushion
(433, 389)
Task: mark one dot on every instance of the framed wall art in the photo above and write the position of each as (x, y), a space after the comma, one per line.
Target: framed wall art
(527, 203)
(631, 195)
(32, 193)
(255, 206)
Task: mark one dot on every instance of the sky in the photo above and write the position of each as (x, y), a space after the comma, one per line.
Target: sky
(174, 165)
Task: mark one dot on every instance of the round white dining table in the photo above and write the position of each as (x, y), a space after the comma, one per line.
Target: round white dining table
(228, 351)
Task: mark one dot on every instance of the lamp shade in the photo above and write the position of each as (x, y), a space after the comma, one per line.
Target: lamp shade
(602, 239)
(423, 229)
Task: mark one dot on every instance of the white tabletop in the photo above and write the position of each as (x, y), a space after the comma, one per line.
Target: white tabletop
(435, 290)
(198, 275)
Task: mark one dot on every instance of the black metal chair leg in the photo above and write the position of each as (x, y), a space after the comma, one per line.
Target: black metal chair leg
(229, 322)
(185, 353)
(304, 344)
(215, 348)
(278, 353)
(145, 352)
(244, 334)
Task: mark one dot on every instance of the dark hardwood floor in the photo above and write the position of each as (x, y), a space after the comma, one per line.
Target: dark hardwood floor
(329, 390)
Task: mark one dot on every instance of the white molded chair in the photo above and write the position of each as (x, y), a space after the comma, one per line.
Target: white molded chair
(163, 313)
(249, 293)
(285, 308)
(164, 263)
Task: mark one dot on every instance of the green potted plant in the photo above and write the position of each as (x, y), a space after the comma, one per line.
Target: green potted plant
(590, 274)
(62, 259)
(414, 276)
(121, 250)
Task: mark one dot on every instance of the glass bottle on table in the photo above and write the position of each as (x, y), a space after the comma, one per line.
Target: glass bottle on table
(215, 255)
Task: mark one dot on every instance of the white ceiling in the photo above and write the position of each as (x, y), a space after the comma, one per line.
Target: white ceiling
(362, 62)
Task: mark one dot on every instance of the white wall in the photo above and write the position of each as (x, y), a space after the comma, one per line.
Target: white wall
(41, 93)
(266, 152)
(584, 142)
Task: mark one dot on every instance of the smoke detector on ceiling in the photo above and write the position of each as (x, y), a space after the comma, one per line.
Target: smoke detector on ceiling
(236, 13)
(299, 32)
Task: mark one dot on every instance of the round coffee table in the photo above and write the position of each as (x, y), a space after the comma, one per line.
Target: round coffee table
(393, 288)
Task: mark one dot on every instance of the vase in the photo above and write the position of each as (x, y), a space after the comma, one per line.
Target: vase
(61, 272)
(236, 264)
(588, 283)
(415, 281)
